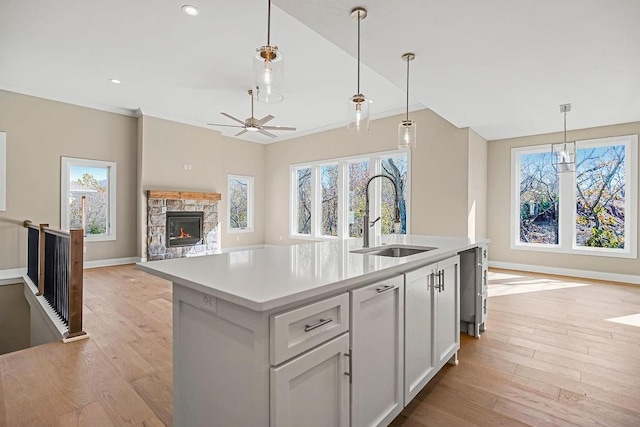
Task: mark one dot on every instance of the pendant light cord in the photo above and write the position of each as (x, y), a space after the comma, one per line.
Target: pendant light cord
(407, 88)
(358, 52)
(565, 131)
(269, 24)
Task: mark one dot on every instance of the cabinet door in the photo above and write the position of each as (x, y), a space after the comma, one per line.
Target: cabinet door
(420, 355)
(447, 298)
(377, 335)
(313, 390)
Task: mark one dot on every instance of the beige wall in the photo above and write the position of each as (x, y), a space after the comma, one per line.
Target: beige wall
(41, 131)
(165, 146)
(477, 197)
(438, 171)
(499, 176)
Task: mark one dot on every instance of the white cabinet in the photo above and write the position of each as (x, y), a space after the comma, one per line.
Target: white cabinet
(432, 327)
(419, 350)
(312, 390)
(447, 298)
(377, 334)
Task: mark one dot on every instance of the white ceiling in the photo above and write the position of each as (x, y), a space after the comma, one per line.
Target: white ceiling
(501, 67)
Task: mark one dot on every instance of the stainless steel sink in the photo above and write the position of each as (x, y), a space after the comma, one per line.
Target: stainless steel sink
(394, 251)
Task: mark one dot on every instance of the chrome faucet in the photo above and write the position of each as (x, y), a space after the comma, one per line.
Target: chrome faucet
(367, 224)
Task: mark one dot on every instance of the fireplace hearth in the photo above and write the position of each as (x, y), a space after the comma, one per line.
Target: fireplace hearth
(184, 228)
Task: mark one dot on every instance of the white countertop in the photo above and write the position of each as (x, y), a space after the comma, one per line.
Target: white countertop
(277, 276)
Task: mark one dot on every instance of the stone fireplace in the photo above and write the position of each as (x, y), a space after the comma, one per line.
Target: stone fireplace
(181, 224)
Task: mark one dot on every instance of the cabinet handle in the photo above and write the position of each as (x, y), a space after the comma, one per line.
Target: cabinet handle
(348, 373)
(385, 288)
(308, 328)
(441, 273)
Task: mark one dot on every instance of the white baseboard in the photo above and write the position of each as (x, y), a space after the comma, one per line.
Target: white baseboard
(585, 274)
(111, 262)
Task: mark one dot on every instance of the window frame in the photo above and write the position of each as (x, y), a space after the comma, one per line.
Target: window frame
(250, 203)
(66, 164)
(567, 197)
(374, 160)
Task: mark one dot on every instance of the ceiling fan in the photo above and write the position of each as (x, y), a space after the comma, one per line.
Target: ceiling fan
(252, 124)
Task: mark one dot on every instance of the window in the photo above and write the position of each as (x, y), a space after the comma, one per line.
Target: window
(328, 197)
(240, 204)
(358, 176)
(592, 211)
(88, 201)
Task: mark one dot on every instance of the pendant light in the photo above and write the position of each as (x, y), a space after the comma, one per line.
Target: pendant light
(407, 128)
(358, 104)
(268, 70)
(564, 154)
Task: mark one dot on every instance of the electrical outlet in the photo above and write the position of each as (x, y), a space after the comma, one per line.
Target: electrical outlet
(237, 238)
(84, 249)
(187, 166)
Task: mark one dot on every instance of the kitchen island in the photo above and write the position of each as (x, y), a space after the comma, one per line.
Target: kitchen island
(312, 334)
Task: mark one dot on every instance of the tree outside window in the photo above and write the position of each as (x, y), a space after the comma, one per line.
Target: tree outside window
(328, 198)
(88, 197)
(590, 211)
(396, 168)
(240, 203)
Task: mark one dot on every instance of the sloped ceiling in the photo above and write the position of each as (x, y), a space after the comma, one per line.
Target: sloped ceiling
(501, 67)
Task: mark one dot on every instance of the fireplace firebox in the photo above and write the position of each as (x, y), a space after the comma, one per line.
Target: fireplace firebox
(184, 228)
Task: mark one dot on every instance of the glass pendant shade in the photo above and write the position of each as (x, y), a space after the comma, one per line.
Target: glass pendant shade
(564, 156)
(407, 130)
(268, 74)
(358, 110)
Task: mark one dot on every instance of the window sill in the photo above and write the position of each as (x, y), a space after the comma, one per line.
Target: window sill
(99, 238)
(240, 230)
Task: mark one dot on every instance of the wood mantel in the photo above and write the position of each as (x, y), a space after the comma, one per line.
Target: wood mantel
(183, 195)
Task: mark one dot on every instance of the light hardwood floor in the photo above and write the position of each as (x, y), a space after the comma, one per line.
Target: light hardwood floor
(548, 357)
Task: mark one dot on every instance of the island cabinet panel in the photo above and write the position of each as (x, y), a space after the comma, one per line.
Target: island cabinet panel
(312, 390)
(474, 264)
(301, 329)
(432, 327)
(447, 298)
(377, 351)
(420, 351)
(221, 369)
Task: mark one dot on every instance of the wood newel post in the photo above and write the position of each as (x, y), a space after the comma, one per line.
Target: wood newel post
(75, 284)
(41, 258)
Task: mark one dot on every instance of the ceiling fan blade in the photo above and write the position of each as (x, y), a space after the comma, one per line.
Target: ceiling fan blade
(278, 128)
(263, 120)
(233, 118)
(229, 126)
(264, 132)
(241, 132)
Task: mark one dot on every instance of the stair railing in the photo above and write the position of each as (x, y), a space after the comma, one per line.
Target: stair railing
(55, 266)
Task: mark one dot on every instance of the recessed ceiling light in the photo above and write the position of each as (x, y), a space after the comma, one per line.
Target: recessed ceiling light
(190, 10)
(116, 81)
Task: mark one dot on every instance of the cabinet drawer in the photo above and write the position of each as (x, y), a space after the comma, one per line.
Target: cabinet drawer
(301, 329)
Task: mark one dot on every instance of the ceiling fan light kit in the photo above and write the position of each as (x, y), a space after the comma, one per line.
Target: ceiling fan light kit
(358, 104)
(563, 154)
(268, 70)
(407, 129)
